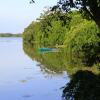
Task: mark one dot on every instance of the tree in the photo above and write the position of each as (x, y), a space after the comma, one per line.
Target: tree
(32, 1)
(91, 7)
(84, 85)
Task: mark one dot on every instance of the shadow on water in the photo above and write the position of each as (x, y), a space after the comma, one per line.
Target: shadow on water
(84, 85)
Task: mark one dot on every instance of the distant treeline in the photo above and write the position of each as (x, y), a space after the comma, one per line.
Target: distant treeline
(10, 35)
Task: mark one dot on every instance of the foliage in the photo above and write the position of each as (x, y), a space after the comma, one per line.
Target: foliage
(84, 41)
(89, 7)
(79, 38)
(49, 30)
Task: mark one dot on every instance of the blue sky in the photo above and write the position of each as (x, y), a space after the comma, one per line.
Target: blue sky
(15, 15)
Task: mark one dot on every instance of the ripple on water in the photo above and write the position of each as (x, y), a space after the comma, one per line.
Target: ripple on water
(27, 95)
(23, 81)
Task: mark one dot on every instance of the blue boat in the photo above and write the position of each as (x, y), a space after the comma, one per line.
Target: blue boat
(45, 49)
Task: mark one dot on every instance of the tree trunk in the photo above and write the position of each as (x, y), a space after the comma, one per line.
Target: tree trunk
(96, 15)
(97, 22)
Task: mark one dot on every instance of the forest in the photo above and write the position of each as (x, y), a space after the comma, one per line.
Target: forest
(77, 36)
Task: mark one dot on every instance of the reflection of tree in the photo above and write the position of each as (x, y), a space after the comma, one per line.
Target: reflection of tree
(49, 61)
(83, 86)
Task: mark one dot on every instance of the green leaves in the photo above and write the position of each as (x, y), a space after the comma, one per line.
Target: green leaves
(83, 41)
(79, 37)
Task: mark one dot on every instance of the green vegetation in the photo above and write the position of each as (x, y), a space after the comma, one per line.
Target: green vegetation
(77, 37)
(49, 30)
(10, 35)
(82, 41)
(89, 8)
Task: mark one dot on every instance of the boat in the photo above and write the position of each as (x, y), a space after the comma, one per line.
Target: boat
(45, 49)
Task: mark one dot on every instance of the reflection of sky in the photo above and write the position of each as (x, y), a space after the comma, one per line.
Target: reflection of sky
(21, 78)
(15, 15)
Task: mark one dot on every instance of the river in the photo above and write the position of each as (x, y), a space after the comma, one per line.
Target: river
(21, 78)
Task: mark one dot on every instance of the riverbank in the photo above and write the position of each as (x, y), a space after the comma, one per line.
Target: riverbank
(77, 36)
(10, 35)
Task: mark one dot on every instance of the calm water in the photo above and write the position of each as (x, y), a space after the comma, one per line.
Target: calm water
(23, 79)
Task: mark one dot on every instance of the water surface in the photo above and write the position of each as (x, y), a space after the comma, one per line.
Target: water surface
(22, 78)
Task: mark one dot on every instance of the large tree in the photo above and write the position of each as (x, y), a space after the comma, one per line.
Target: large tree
(91, 7)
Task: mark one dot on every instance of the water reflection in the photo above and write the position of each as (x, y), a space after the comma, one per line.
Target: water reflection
(21, 78)
(54, 62)
(84, 85)
(50, 62)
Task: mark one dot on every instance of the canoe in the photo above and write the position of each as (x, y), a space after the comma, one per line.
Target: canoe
(45, 49)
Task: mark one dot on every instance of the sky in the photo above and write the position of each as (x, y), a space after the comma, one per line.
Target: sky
(16, 15)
